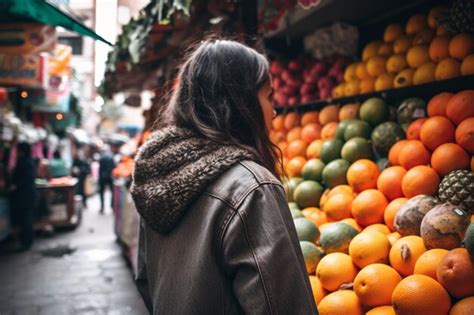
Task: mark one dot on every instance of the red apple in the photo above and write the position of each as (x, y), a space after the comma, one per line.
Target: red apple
(288, 90)
(295, 65)
(325, 82)
(276, 67)
(307, 88)
(294, 100)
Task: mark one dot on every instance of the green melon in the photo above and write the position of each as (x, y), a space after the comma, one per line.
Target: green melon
(312, 255)
(408, 219)
(296, 214)
(355, 149)
(306, 230)
(385, 136)
(444, 227)
(374, 111)
(313, 170)
(330, 150)
(335, 173)
(410, 110)
(357, 128)
(290, 186)
(469, 239)
(308, 193)
(341, 128)
(337, 237)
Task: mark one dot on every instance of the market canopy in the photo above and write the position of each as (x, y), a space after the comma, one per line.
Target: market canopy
(43, 12)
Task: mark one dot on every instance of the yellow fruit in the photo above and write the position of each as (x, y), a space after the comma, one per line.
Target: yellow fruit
(351, 88)
(424, 37)
(343, 302)
(369, 247)
(382, 310)
(434, 14)
(384, 82)
(361, 71)
(415, 24)
(439, 48)
(396, 63)
(350, 73)
(424, 74)
(370, 50)
(461, 45)
(467, 66)
(392, 33)
(367, 85)
(417, 56)
(339, 90)
(376, 66)
(447, 69)
(402, 45)
(404, 78)
(386, 49)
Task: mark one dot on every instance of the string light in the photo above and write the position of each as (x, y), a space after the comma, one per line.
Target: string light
(59, 116)
(24, 94)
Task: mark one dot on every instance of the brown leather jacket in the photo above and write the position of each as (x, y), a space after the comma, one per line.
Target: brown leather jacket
(234, 250)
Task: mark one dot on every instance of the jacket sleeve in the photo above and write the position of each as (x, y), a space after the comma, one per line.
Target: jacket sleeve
(261, 253)
(141, 280)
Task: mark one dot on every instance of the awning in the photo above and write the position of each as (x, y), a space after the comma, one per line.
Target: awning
(43, 12)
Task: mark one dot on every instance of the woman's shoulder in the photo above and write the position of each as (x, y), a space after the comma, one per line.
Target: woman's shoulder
(239, 181)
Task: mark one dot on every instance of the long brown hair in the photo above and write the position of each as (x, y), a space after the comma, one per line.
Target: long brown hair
(217, 97)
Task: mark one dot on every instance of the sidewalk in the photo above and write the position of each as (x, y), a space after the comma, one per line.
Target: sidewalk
(77, 272)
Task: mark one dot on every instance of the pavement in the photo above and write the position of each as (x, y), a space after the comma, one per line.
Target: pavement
(71, 272)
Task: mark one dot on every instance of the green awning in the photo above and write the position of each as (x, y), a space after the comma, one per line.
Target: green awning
(43, 12)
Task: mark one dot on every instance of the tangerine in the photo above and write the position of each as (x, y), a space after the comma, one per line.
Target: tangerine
(391, 211)
(292, 120)
(395, 151)
(413, 153)
(334, 270)
(338, 207)
(312, 152)
(369, 247)
(437, 104)
(329, 131)
(449, 157)
(405, 252)
(420, 180)
(390, 182)
(368, 207)
(439, 48)
(447, 69)
(311, 132)
(296, 148)
(375, 284)
(465, 135)
(310, 117)
(461, 46)
(436, 131)
(295, 166)
(329, 114)
(339, 303)
(362, 175)
(428, 262)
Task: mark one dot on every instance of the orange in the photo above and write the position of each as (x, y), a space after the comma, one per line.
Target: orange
(361, 71)
(312, 152)
(369, 247)
(350, 72)
(378, 227)
(324, 198)
(391, 211)
(439, 48)
(467, 65)
(310, 117)
(434, 14)
(425, 73)
(291, 120)
(413, 153)
(295, 166)
(395, 151)
(456, 273)
(461, 46)
(419, 294)
(329, 114)
(371, 50)
(437, 104)
(311, 132)
(465, 135)
(393, 237)
(315, 215)
(396, 63)
(428, 262)
(448, 68)
(318, 291)
(338, 90)
(352, 223)
(334, 270)
(424, 37)
(351, 88)
(375, 284)
(436, 131)
(376, 65)
(282, 145)
(341, 189)
(420, 180)
(367, 85)
(417, 56)
(384, 81)
(392, 32)
(402, 45)
(277, 136)
(344, 302)
(463, 307)
(390, 182)
(363, 175)
(278, 122)
(349, 111)
(338, 207)
(405, 252)
(404, 78)
(441, 30)
(460, 106)
(294, 134)
(381, 310)
(415, 24)
(296, 148)
(413, 131)
(386, 49)
(368, 207)
(449, 157)
(329, 131)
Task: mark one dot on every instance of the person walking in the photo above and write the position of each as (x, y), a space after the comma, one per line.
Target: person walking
(106, 166)
(80, 170)
(23, 195)
(217, 236)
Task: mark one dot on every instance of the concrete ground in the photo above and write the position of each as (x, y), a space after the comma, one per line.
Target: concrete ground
(92, 279)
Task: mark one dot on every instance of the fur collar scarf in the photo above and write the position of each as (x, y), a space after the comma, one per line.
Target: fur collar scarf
(172, 169)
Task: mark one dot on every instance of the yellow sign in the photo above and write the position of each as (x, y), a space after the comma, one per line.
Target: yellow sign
(26, 70)
(26, 38)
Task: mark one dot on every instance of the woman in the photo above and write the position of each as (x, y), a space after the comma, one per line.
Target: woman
(217, 235)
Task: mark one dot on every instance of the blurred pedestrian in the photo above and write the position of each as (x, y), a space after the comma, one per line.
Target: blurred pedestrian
(80, 170)
(106, 166)
(23, 195)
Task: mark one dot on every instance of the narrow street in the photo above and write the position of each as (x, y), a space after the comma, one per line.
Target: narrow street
(76, 272)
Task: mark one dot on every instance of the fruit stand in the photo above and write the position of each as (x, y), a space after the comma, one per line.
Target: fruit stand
(377, 150)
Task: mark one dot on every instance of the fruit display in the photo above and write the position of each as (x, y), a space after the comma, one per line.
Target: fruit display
(383, 202)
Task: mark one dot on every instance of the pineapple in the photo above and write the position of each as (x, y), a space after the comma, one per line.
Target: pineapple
(458, 188)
